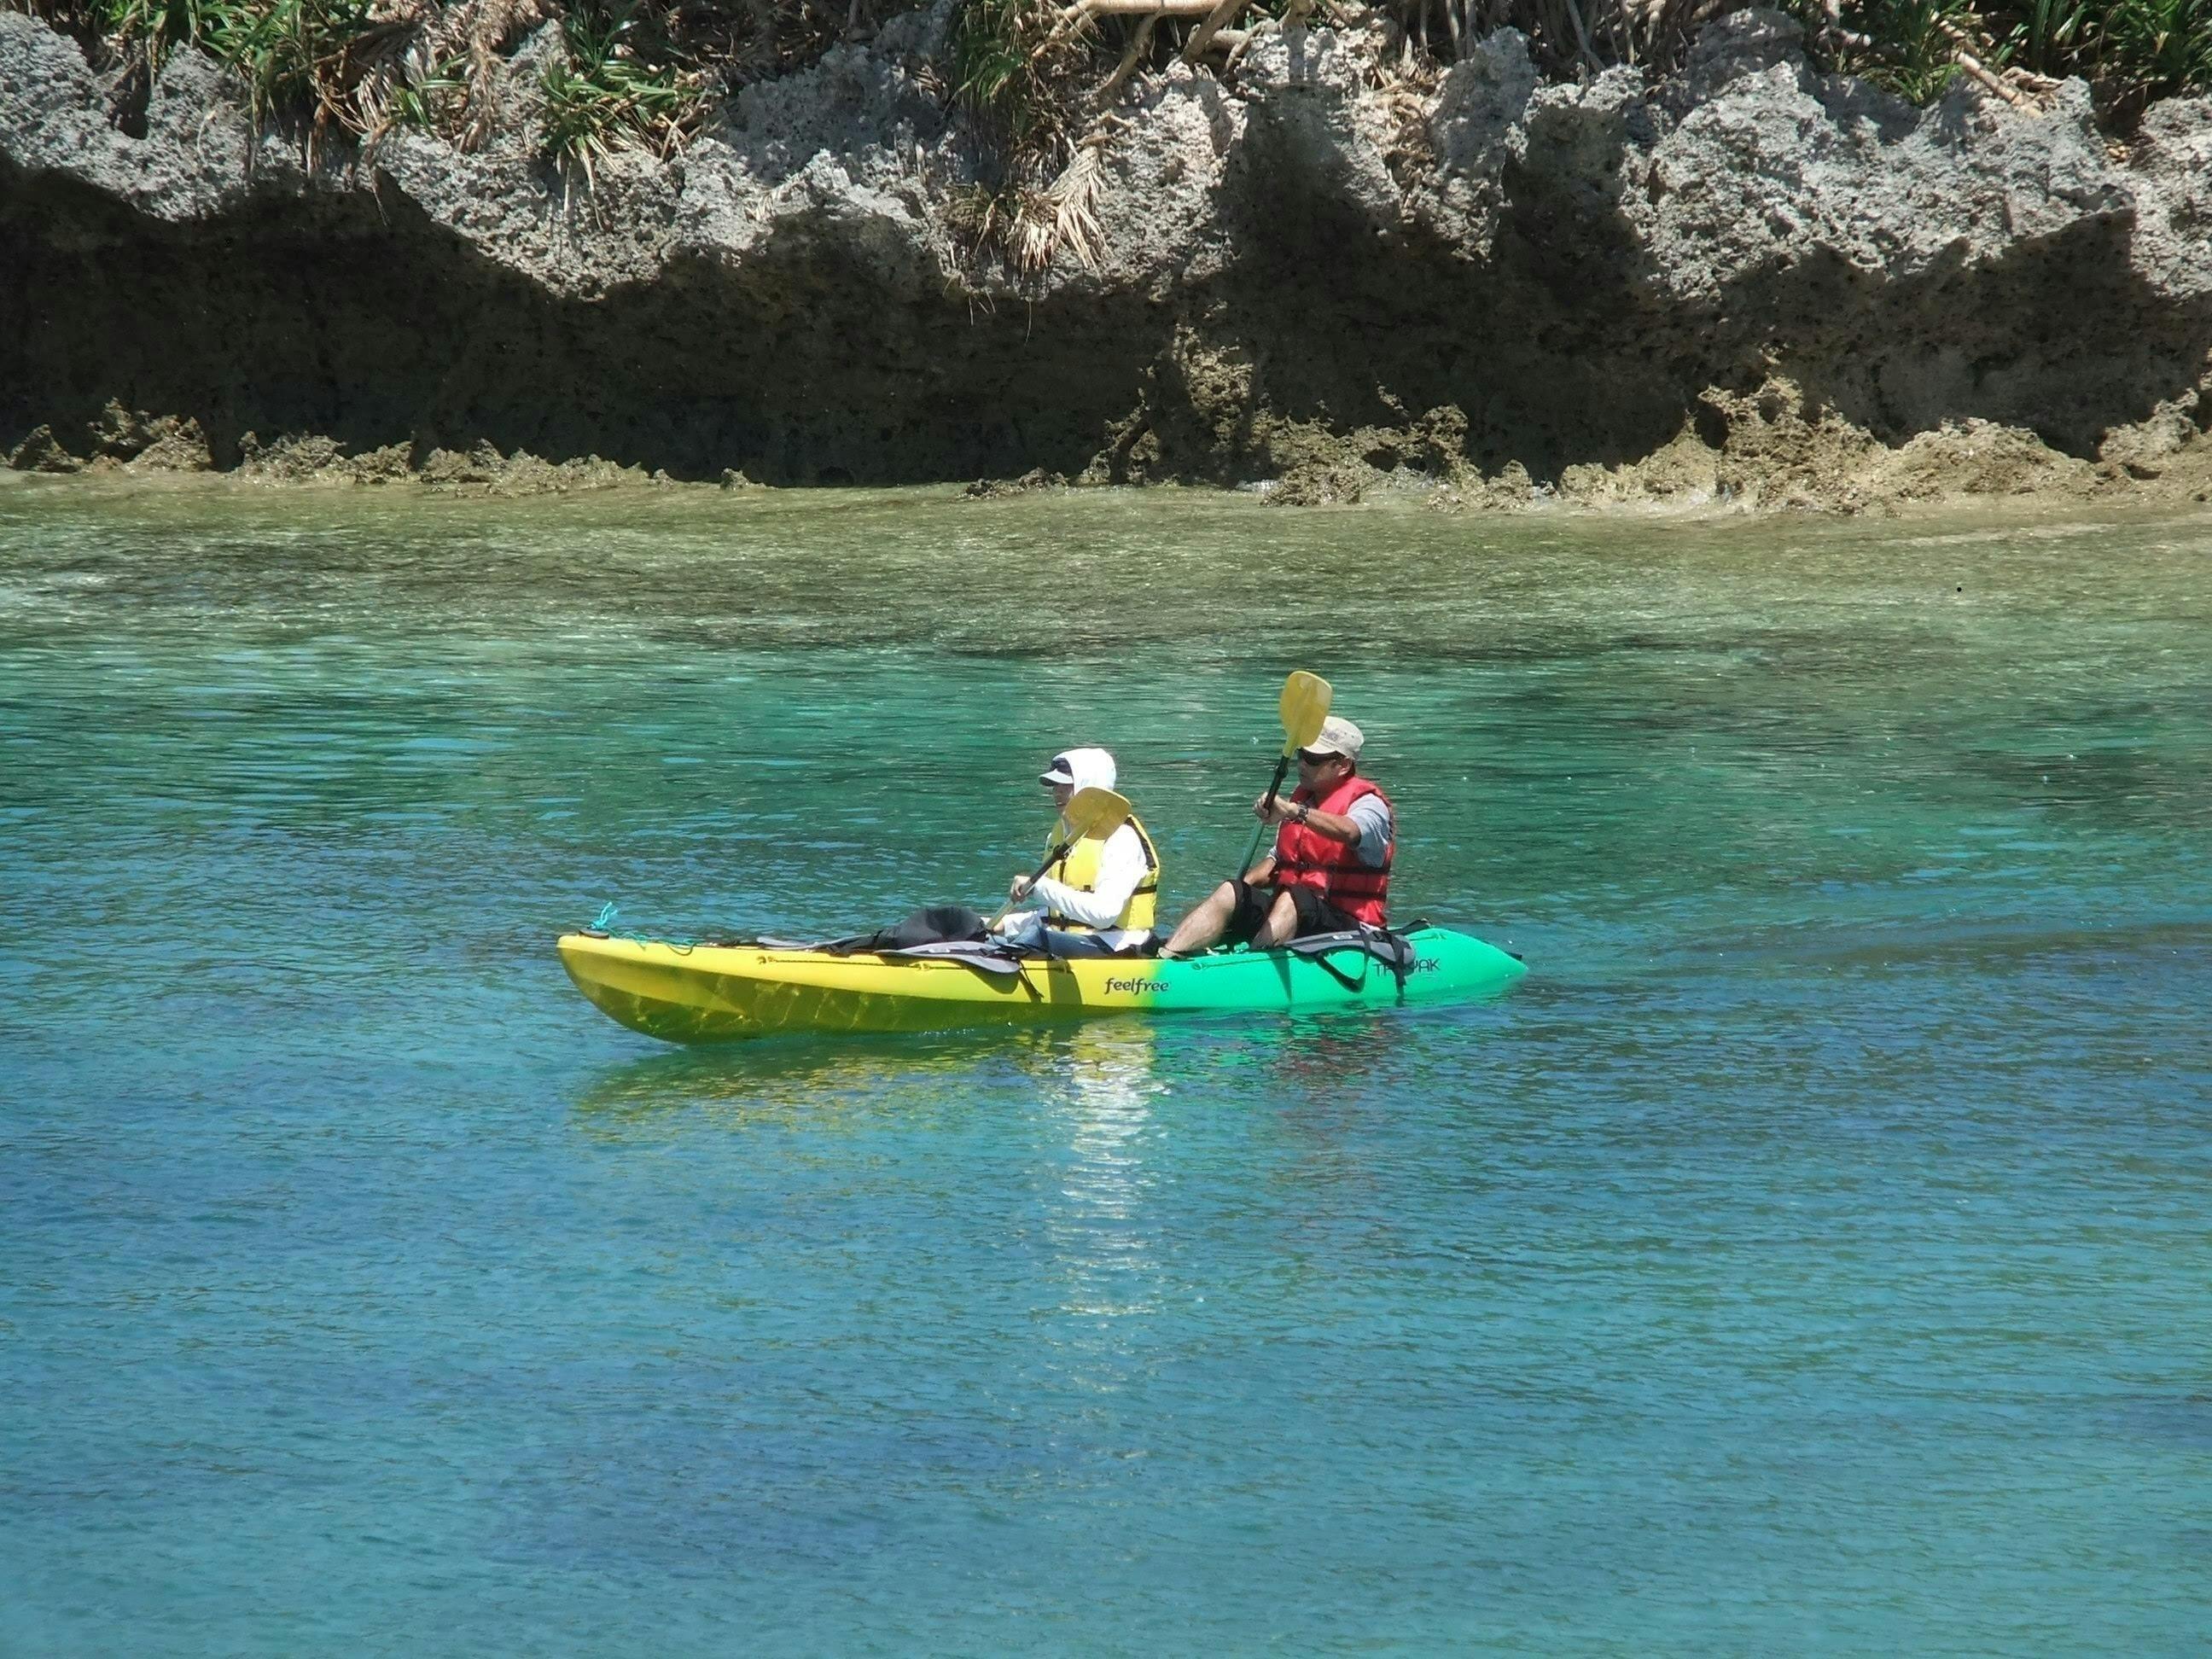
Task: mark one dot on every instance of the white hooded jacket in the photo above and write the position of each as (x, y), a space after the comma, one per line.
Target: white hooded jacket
(1121, 867)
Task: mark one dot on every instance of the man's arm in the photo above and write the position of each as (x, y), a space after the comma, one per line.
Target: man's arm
(1335, 825)
(1372, 819)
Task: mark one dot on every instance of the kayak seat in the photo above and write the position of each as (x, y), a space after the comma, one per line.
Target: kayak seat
(1377, 944)
(1393, 950)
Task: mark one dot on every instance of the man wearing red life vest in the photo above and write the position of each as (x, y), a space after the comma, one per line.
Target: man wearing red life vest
(1330, 870)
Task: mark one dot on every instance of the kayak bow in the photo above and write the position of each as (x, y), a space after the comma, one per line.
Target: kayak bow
(714, 993)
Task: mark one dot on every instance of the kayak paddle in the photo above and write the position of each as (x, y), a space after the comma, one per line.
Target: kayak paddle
(1089, 815)
(1304, 707)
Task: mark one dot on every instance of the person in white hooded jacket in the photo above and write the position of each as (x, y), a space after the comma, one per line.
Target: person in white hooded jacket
(1103, 896)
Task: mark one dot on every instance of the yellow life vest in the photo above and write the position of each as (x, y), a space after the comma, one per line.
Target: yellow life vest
(1080, 870)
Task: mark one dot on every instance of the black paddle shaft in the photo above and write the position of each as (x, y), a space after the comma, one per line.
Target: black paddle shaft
(1052, 858)
(1282, 770)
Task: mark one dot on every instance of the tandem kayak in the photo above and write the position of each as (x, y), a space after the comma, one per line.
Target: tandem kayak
(715, 992)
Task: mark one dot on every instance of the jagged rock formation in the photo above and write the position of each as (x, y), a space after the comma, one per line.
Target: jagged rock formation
(1747, 278)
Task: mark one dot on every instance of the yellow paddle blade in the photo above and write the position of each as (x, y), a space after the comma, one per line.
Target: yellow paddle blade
(1094, 814)
(1304, 707)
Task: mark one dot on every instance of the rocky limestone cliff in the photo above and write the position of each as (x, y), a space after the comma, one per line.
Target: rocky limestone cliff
(1748, 280)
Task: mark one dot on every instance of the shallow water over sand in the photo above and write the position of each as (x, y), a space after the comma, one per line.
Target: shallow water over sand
(1808, 1256)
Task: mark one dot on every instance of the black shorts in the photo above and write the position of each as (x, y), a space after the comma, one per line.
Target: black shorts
(1315, 914)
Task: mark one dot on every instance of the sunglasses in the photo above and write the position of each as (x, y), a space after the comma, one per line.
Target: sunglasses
(1307, 757)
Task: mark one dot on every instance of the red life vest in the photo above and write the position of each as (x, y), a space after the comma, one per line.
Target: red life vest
(1306, 857)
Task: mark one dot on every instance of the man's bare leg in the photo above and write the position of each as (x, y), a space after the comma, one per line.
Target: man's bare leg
(1203, 925)
(1282, 922)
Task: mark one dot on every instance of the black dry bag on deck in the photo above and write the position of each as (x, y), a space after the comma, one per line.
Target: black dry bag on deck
(934, 924)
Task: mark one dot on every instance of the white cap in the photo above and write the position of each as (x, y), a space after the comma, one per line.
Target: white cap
(1086, 768)
(1338, 736)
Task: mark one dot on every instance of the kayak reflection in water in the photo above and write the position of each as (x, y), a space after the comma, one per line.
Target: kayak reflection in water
(1100, 899)
(1330, 870)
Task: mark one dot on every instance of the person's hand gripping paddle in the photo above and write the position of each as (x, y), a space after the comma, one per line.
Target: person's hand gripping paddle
(1304, 706)
(1089, 815)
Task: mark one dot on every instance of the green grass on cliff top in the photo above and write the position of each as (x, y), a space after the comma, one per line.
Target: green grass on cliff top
(647, 73)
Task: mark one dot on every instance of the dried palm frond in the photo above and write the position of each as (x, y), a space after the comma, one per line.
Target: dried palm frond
(1061, 215)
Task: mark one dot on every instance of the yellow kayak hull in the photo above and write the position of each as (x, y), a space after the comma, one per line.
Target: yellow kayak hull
(712, 992)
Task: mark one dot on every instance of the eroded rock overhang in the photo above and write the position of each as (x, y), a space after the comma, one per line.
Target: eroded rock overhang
(1485, 271)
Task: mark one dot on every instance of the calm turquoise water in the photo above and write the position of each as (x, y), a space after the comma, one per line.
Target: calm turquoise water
(1811, 1256)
